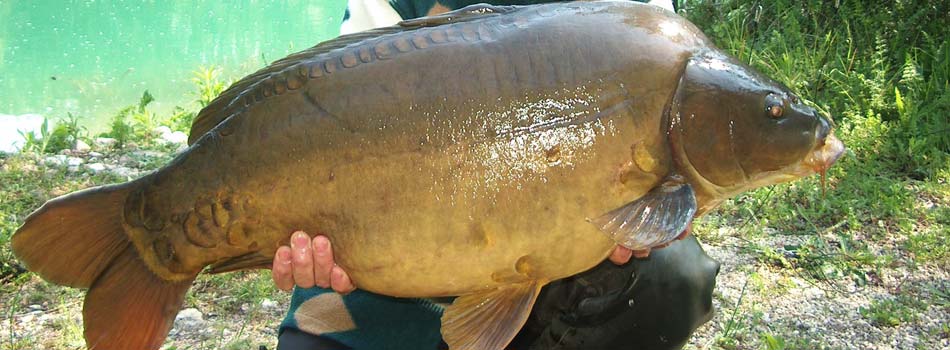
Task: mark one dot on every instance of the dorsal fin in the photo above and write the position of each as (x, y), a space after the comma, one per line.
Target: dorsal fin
(293, 71)
(466, 13)
(218, 110)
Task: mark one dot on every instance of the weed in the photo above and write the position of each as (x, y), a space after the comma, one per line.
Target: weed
(180, 120)
(892, 312)
(34, 144)
(207, 84)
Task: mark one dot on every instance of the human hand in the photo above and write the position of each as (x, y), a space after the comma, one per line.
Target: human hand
(307, 263)
(621, 255)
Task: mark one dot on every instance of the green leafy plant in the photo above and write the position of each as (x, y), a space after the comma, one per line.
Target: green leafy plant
(891, 312)
(207, 84)
(134, 123)
(33, 143)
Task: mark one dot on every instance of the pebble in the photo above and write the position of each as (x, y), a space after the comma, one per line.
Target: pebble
(147, 154)
(73, 164)
(104, 142)
(96, 167)
(57, 160)
(125, 171)
(171, 137)
(82, 146)
(269, 305)
(189, 319)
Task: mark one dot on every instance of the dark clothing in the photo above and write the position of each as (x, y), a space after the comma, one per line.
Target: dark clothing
(647, 304)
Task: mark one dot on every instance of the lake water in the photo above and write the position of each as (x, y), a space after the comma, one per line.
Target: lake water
(91, 58)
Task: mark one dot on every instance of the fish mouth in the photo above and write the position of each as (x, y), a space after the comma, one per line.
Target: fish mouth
(825, 155)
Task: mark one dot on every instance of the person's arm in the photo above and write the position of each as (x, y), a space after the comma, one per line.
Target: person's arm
(309, 262)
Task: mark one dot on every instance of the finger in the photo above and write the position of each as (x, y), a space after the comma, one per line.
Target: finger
(341, 281)
(686, 232)
(620, 255)
(640, 254)
(322, 261)
(281, 270)
(303, 259)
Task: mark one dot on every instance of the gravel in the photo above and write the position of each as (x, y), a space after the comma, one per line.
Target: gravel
(822, 315)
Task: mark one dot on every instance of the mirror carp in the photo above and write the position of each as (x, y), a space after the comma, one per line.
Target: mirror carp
(481, 153)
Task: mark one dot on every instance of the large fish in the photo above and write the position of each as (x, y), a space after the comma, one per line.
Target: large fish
(480, 153)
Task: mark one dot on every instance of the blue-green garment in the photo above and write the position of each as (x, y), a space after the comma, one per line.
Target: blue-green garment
(363, 320)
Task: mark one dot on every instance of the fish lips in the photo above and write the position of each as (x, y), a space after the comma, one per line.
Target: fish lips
(825, 155)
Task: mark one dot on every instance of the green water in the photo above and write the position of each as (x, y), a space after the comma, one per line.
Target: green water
(91, 58)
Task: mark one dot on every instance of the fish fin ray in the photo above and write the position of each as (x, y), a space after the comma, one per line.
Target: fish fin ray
(654, 219)
(247, 261)
(466, 13)
(488, 320)
(129, 307)
(71, 239)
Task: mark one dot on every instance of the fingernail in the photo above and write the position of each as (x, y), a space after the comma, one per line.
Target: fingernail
(321, 244)
(284, 256)
(337, 273)
(300, 240)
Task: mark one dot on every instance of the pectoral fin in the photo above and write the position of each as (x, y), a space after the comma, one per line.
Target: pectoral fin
(654, 219)
(488, 320)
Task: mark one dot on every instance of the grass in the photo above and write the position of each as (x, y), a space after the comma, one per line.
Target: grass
(892, 312)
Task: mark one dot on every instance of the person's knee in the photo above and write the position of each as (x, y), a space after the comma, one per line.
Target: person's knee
(293, 339)
(652, 303)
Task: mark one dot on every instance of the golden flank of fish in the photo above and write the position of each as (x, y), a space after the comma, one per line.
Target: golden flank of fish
(480, 153)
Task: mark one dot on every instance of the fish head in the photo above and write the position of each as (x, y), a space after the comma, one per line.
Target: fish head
(733, 129)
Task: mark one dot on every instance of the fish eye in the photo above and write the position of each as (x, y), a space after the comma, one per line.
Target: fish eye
(775, 106)
(776, 111)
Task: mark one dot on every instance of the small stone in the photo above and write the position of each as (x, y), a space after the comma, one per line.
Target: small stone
(161, 130)
(96, 167)
(95, 154)
(189, 319)
(176, 137)
(171, 137)
(35, 307)
(104, 142)
(57, 160)
(81, 146)
(74, 161)
(269, 305)
(148, 154)
(125, 171)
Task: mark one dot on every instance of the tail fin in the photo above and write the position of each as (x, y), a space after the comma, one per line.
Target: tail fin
(129, 307)
(78, 240)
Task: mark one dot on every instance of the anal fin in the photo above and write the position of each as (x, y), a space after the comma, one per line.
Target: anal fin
(490, 319)
(657, 218)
